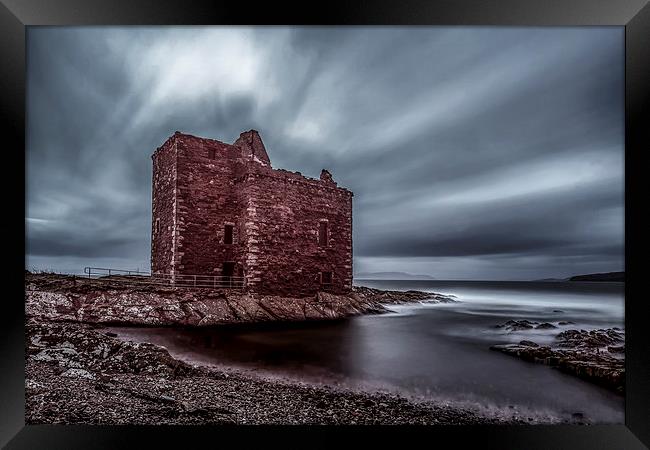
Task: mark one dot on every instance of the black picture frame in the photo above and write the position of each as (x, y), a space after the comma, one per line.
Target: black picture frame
(16, 15)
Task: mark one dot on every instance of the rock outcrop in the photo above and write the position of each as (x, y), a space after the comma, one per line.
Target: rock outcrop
(399, 297)
(519, 325)
(66, 298)
(595, 355)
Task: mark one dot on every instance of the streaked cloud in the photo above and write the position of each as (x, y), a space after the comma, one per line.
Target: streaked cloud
(473, 152)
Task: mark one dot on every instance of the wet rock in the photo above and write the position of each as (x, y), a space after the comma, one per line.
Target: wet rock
(399, 297)
(590, 339)
(525, 351)
(593, 355)
(545, 326)
(517, 325)
(566, 322)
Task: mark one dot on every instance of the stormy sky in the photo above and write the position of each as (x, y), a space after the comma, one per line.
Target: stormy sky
(473, 152)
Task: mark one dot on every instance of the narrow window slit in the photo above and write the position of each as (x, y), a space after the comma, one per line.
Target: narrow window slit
(326, 278)
(323, 234)
(227, 234)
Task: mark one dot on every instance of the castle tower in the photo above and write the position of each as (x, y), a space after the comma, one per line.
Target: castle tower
(221, 209)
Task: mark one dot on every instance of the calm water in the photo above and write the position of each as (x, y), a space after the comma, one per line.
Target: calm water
(438, 351)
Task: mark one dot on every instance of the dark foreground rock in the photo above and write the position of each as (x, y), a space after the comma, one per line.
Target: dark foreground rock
(79, 374)
(67, 298)
(595, 355)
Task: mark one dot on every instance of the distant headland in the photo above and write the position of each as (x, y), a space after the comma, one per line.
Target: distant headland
(391, 276)
(608, 276)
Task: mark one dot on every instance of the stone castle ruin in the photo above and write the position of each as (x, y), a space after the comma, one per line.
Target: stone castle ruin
(221, 209)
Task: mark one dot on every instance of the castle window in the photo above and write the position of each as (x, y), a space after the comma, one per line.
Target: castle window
(157, 226)
(326, 278)
(227, 234)
(212, 153)
(323, 234)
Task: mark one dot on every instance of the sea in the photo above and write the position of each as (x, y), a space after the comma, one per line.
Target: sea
(428, 352)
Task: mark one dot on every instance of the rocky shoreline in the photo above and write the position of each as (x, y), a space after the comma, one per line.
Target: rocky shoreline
(112, 301)
(76, 372)
(79, 372)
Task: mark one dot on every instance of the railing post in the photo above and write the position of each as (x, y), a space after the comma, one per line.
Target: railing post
(194, 280)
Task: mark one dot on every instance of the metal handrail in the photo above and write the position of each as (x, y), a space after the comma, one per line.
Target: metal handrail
(137, 277)
(110, 271)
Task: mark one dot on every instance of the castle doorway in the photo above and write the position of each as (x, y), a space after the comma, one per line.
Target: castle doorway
(228, 271)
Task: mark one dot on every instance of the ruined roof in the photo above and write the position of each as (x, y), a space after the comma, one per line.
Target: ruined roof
(251, 148)
(249, 144)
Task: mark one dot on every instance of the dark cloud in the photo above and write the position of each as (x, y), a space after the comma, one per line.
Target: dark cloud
(530, 224)
(492, 153)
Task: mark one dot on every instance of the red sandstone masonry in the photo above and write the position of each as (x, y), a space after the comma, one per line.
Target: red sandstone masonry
(275, 216)
(163, 207)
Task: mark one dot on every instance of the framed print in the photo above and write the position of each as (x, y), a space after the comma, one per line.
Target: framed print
(376, 220)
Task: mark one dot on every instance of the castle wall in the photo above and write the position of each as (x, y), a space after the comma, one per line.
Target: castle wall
(281, 223)
(163, 208)
(207, 202)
